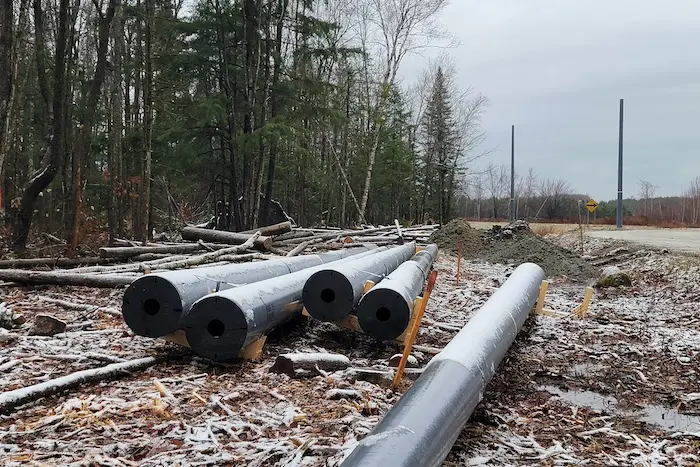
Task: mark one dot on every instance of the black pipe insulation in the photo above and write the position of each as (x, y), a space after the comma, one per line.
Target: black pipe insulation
(420, 430)
(332, 293)
(153, 305)
(221, 324)
(385, 311)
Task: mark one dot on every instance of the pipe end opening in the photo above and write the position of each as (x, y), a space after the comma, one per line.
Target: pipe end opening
(151, 306)
(383, 314)
(328, 295)
(216, 328)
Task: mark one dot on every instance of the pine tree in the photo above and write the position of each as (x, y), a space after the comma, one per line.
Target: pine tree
(440, 152)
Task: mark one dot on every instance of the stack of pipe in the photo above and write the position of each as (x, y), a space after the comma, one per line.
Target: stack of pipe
(332, 292)
(385, 311)
(154, 304)
(220, 325)
(420, 430)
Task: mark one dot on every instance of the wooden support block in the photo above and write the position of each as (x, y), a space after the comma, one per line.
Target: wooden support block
(253, 351)
(368, 286)
(177, 337)
(350, 322)
(540, 300)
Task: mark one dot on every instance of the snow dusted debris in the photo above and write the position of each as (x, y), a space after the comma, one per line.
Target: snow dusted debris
(336, 394)
(291, 364)
(241, 414)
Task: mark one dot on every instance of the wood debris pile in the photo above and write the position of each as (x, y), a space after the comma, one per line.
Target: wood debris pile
(120, 264)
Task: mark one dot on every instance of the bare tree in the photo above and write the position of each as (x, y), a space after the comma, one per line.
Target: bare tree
(647, 190)
(496, 181)
(402, 26)
(693, 195)
(10, 40)
(555, 193)
(52, 157)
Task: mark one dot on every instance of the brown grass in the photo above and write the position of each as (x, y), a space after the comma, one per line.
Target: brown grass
(550, 229)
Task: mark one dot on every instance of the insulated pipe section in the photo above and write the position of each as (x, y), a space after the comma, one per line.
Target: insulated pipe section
(420, 430)
(332, 293)
(385, 311)
(153, 305)
(220, 325)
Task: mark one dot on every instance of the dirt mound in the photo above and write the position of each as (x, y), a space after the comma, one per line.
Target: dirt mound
(555, 260)
(513, 244)
(448, 237)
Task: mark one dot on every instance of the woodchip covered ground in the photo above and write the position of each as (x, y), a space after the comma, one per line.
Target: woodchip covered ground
(617, 388)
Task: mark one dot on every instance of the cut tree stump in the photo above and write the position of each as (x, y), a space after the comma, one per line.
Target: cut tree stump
(220, 236)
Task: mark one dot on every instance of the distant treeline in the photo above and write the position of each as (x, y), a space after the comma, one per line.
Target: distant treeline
(488, 196)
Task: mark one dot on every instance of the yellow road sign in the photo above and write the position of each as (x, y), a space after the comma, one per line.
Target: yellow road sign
(591, 205)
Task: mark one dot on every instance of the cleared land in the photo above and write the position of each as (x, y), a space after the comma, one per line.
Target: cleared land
(681, 240)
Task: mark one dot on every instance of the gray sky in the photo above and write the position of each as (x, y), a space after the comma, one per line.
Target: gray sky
(557, 69)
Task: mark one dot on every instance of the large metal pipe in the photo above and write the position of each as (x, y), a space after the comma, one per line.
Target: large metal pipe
(153, 305)
(220, 325)
(422, 427)
(385, 311)
(332, 293)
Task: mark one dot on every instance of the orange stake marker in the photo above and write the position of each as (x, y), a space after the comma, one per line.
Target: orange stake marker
(414, 329)
(459, 259)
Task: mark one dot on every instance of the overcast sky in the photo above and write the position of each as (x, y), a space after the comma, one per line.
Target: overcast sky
(557, 70)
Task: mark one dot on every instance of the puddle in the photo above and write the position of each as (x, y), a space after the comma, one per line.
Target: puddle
(664, 417)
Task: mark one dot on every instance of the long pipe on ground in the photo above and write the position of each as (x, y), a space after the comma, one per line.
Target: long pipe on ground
(153, 304)
(220, 325)
(420, 430)
(385, 311)
(332, 292)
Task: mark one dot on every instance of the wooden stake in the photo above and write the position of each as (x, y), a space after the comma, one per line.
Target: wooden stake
(540, 300)
(582, 310)
(459, 259)
(368, 286)
(414, 329)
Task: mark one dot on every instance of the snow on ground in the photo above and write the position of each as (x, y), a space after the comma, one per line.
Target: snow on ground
(617, 388)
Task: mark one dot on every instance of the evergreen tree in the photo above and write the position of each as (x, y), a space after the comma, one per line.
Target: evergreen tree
(440, 152)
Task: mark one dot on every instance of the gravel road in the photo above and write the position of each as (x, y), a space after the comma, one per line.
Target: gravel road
(682, 240)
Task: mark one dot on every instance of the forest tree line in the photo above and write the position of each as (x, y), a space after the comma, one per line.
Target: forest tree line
(141, 114)
(486, 195)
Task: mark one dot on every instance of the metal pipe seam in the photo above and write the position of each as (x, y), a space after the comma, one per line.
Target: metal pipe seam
(153, 305)
(220, 325)
(384, 312)
(332, 293)
(420, 430)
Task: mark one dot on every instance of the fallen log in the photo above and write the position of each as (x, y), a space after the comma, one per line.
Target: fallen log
(291, 363)
(53, 262)
(80, 306)
(299, 249)
(270, 230)
(20, 276)
(220, 236)
(131, 251)
(17, 397)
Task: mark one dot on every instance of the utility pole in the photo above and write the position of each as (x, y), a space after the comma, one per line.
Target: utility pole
(512, 173)
(619, 168)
